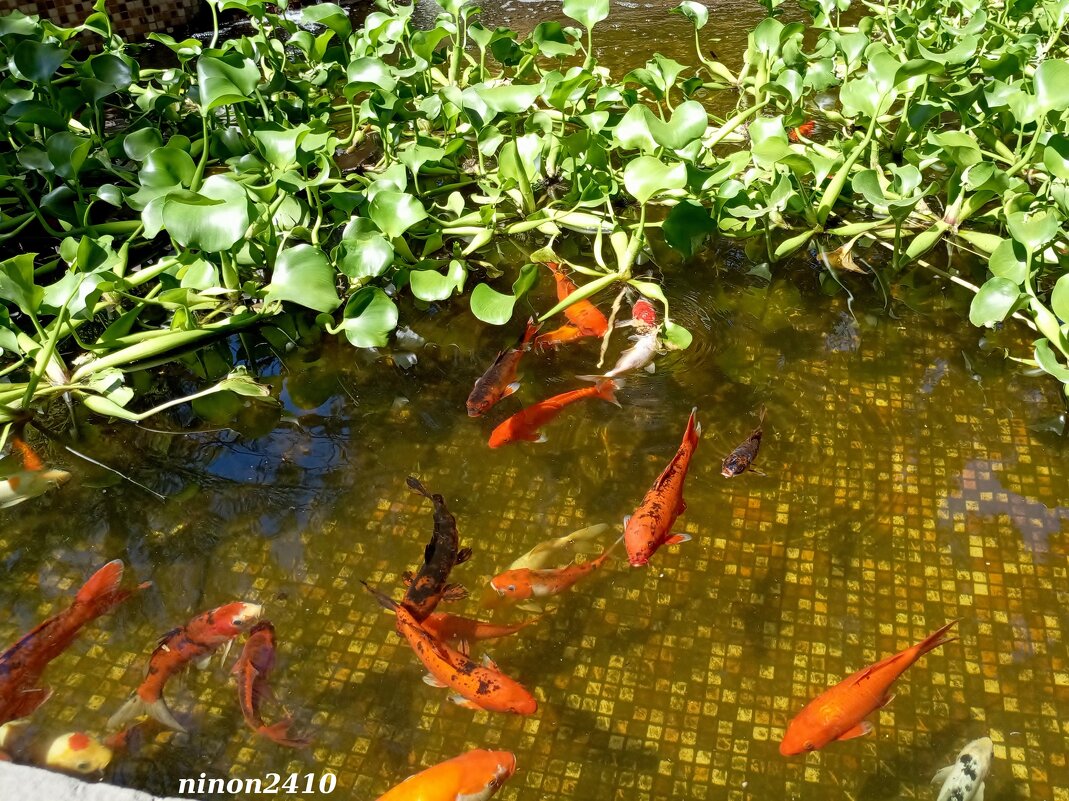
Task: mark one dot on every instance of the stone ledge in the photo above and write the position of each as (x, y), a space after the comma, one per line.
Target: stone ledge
(20, 781)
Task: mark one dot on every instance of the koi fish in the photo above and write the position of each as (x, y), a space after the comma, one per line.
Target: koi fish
(643, 314)
(442, 554)
(22, 664)
(474, 776)
(524, 425)
(454, 628)
(963, 780)
(839, 713)
(499, 380)
(741, 459)
(78, 752)
(32, 480)
(558, 336)
(194, 642)
(546, 552)
(526, 583)
(256, 661)
(477, 686)
(651, 525)
(583, 314)
(803, 130)
(638, 357)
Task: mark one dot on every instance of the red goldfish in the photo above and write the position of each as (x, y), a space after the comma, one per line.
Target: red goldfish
(803, 130)
(643, 314)
(256, 661)
(839, 713)
(22, 664)
(195, 642)
(499, 380)
(479, 686)
(651, 525)
(474, 776)
(526, 583)
(524, 425)
(585, 318)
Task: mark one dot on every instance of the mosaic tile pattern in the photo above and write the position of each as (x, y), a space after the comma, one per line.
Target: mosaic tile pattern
(134, 19)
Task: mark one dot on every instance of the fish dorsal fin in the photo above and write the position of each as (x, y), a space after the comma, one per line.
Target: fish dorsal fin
(428, 552)
(942, 774)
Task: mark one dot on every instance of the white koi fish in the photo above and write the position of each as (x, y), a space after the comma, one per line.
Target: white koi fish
(964, 780)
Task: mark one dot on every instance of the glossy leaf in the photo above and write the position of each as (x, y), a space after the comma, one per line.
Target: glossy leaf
(368, 318)
(1052, 85)
(225, 80)
(646, 177)
(214, 219)
(491, 306)
(432, 285)
(17, 284)
(1033, 230)
(587, 13)
(697, 13)
(993, 302)
(38, 61)
(1009, 260)
(396, 212)
(302, 275)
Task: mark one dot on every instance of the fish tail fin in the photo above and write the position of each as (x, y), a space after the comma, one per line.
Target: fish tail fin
(136, 706)
(533, 327)
(694, 428)
(761, 415)
(30, 460)
(415, 485)
(606, 389)
(101, 584)
(936, 638)
(385, 601)
(592, 378)
(280, 733)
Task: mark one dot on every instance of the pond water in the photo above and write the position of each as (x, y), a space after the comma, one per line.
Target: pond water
(914, 476)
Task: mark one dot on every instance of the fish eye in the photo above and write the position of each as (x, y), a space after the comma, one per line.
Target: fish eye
(808, 746)
(83, 767)
(512, 588)
(238, 622)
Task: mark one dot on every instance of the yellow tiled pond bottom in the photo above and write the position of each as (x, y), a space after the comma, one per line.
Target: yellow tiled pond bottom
(912, 479)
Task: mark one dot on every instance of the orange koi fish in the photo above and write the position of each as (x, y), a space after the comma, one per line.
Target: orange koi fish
(499, 380)
(651, 525)
(478, 686)
(524, 425)
(430, 585)
(584, 315)
(526, 583)
(22, 664)
(474, 776)
(558, 336)
(32, 480)
(194, 642)
(454, 628)
(256, 661)
(803, 130)
(839, 713)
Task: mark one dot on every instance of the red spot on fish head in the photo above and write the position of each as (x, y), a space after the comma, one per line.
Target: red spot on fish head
(78, 741)
(644, 312)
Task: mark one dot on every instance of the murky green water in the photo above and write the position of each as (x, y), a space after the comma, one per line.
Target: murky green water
(912, 478)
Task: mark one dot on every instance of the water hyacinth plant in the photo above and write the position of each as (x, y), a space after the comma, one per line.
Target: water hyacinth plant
(314, 167)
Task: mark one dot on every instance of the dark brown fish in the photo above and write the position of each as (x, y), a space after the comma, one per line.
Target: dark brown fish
(430, 585)
(741, 459)
(252, 668)
(499, 381)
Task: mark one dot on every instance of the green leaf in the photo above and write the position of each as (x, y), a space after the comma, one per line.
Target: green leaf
(1059, 298)
(509, 99)
(279, 146)
(368, 74)
(491, 306)
(646, 177)
(587, 13)
(1052, 85)
(396, 212)
(138, 144)
(1033, 230)
(212, 220)
(993, 302)
(303, 275)
(1009, 260)
(525, 281)
(695, 12)
(38, 61)
(512, 168)
(369, 317)
(225, 80)
(431, 285)
(67, 153)
(368, 253)
(687, 226)
(1056, 156)
(677, 336)
(16, 283)
(640, 129)
(329, 15)
(1049, 362)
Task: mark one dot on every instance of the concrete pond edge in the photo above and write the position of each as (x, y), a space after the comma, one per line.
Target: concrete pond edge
(35, 784)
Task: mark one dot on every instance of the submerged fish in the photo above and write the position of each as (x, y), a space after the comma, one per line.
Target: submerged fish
(524, 426)
(78, 752)
(546, 552)
(803, 130)
(638, 357)
(584, 315)
(194, 642)
(32, 480)
(963, 780)
(474, 776)
(499, 380)
(255, 663)
(741, 459)
(524, 583)
(454, 628)
(839, 713)
(430, 585)
(650, 526)
(22, 664)
(559, 336)
(643, 315)
(477, 686)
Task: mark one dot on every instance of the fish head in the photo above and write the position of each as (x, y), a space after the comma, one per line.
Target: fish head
(502, 435)
(799, 739)
(643, 313)
(477, 408)
(730, 468)
(79, 753)
(484, 772)
(511, 584)
(232, 619)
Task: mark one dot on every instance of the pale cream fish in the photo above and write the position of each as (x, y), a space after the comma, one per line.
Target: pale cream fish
(963, 780)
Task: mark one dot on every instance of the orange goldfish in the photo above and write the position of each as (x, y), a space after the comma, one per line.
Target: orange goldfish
(839, 713)
(22, 664)
(478, 686)
(527, 583)
(803, 130)
(558, 336)
(256, 661)
(524, 425)
(584, 315)
(474, 776)
(32, 480)
(651, 525)
(454, 628)
(499, 380)
(195, 642)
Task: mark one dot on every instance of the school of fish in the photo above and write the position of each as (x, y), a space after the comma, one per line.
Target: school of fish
(442, 641)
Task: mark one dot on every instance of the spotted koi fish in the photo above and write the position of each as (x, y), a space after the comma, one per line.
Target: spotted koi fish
(194, 643)
(963, 780)
(430, 585)
(474, 776)
(839, 713)
(526, 583)
(741, 459)
(78, 752)
(499, 380)
(650, 526)
(252, 668)
(22, 665)
(476, 686)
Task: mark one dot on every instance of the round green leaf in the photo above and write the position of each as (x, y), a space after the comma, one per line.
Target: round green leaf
(491, 306)
(37, 61)
(1056, 156)
(329, 15)
(369, 317)
(367, 253)
(303, 275)
(677, 336)
(1009, 260)
(212, 220)
(993, 302)
(587, 13)
(396, 212)
(695, 12)
(431, 285)
(16, 283)
(646, 176)
(1033, 230)
(67, 153)
(368, 74)
(1059, 298)
(226, 79)
(1052, 85)
(138, 144)
(167, 167)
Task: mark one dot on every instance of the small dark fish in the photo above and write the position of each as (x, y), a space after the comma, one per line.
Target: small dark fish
(430, 585)
(741, 459)
(252, 668)
(499, 380)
